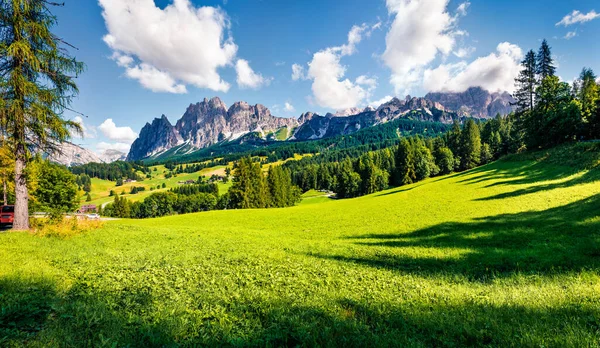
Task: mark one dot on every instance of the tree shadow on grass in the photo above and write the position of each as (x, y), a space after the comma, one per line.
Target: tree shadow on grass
(556, 240)
(35, 313)
(587, 177)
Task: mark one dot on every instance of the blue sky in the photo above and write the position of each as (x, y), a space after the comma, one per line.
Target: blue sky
(146, 58)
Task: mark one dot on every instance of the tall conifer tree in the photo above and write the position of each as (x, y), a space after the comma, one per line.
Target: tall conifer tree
(37, 84)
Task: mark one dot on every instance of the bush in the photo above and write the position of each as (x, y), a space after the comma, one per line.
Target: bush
(63, 228)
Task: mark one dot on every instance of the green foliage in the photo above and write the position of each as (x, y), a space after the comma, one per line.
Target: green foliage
(37, 80)
(544, 62)
(444, 160)
(504, 255)
(55, 188)
(470, 145)
(405, 163)
(526, 83)
(282, 193)
(249, 188)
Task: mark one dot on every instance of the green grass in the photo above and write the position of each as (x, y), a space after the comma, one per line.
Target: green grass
(101, 188)
(314, 197)
(505, 255)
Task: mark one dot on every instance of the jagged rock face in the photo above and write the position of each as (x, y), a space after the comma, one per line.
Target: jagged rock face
(202, 123)
(209, 122)
(475, 102)
(69, 154)
(244, 118)
(109, 156)
(206, 123)
(317, 127)
(154, 138)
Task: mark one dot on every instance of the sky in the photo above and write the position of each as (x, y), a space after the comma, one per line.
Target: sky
(146, 58)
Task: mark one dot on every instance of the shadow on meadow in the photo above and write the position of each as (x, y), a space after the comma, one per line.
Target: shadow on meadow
(557, 240)
(35, 313)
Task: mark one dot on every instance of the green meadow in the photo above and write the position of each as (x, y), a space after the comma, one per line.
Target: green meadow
(507, 254)
(100, 193)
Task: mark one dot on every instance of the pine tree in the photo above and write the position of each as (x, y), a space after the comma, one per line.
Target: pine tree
(470, 145)
(545, 62)
(526, 84)
(405, 163)
(37, 86)
(588, 93)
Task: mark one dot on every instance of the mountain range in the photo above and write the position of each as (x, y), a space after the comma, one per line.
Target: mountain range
(211, 122)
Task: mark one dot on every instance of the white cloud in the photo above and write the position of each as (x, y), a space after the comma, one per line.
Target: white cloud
(420, 30)
(461, 10)
(247, 78)
(494, 72)
(298, 72)
(378, 103)
(570, 35)
(289, 107)
(369, 82)
(166, 49)
(118, 134)
(154, 79)
(329, 87)
(89, 132)
(578, 17)
(464, 52)
(101, 147)
(281, 63)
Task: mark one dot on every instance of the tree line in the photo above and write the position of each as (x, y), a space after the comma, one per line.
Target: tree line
(251, 188)
(413, 159)
(549, 111)
(112, 171)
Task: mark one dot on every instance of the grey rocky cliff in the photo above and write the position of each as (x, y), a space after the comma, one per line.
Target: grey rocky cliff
(69, 154)
(313, 126)
(154, 139)
(475, 102)
(204, 124)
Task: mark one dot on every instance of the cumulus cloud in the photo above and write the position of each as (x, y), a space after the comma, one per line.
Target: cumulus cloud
(495, 72)
(464, 52)
(89, 132)
(570, 35)
(102, 147)
(369, 82)
(578, 17)
(298, 72)
(461, 10)
(329, 87)
(378, 103)
(289, 107)
(420, 30)
(154, 79)
(247, 78)
(167, 49)
(119, 134)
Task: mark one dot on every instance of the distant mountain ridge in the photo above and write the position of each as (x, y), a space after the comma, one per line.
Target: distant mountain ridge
(210, 121)
(475, 102)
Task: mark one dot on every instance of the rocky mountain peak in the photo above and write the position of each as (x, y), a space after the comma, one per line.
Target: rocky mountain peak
(475, 101)
(155, 138)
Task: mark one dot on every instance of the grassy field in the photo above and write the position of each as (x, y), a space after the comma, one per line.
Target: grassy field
(504, 255)
(101, 188)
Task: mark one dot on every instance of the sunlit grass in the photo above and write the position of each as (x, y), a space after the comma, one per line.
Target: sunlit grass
(505, 255)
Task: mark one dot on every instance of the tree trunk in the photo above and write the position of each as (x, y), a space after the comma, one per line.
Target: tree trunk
(21, 221)
(5, 196)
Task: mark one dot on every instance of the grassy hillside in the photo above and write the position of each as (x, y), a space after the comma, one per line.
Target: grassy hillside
(101, 188)
(504, 255)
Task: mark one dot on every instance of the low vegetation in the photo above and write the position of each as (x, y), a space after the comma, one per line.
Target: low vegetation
(502, 255)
